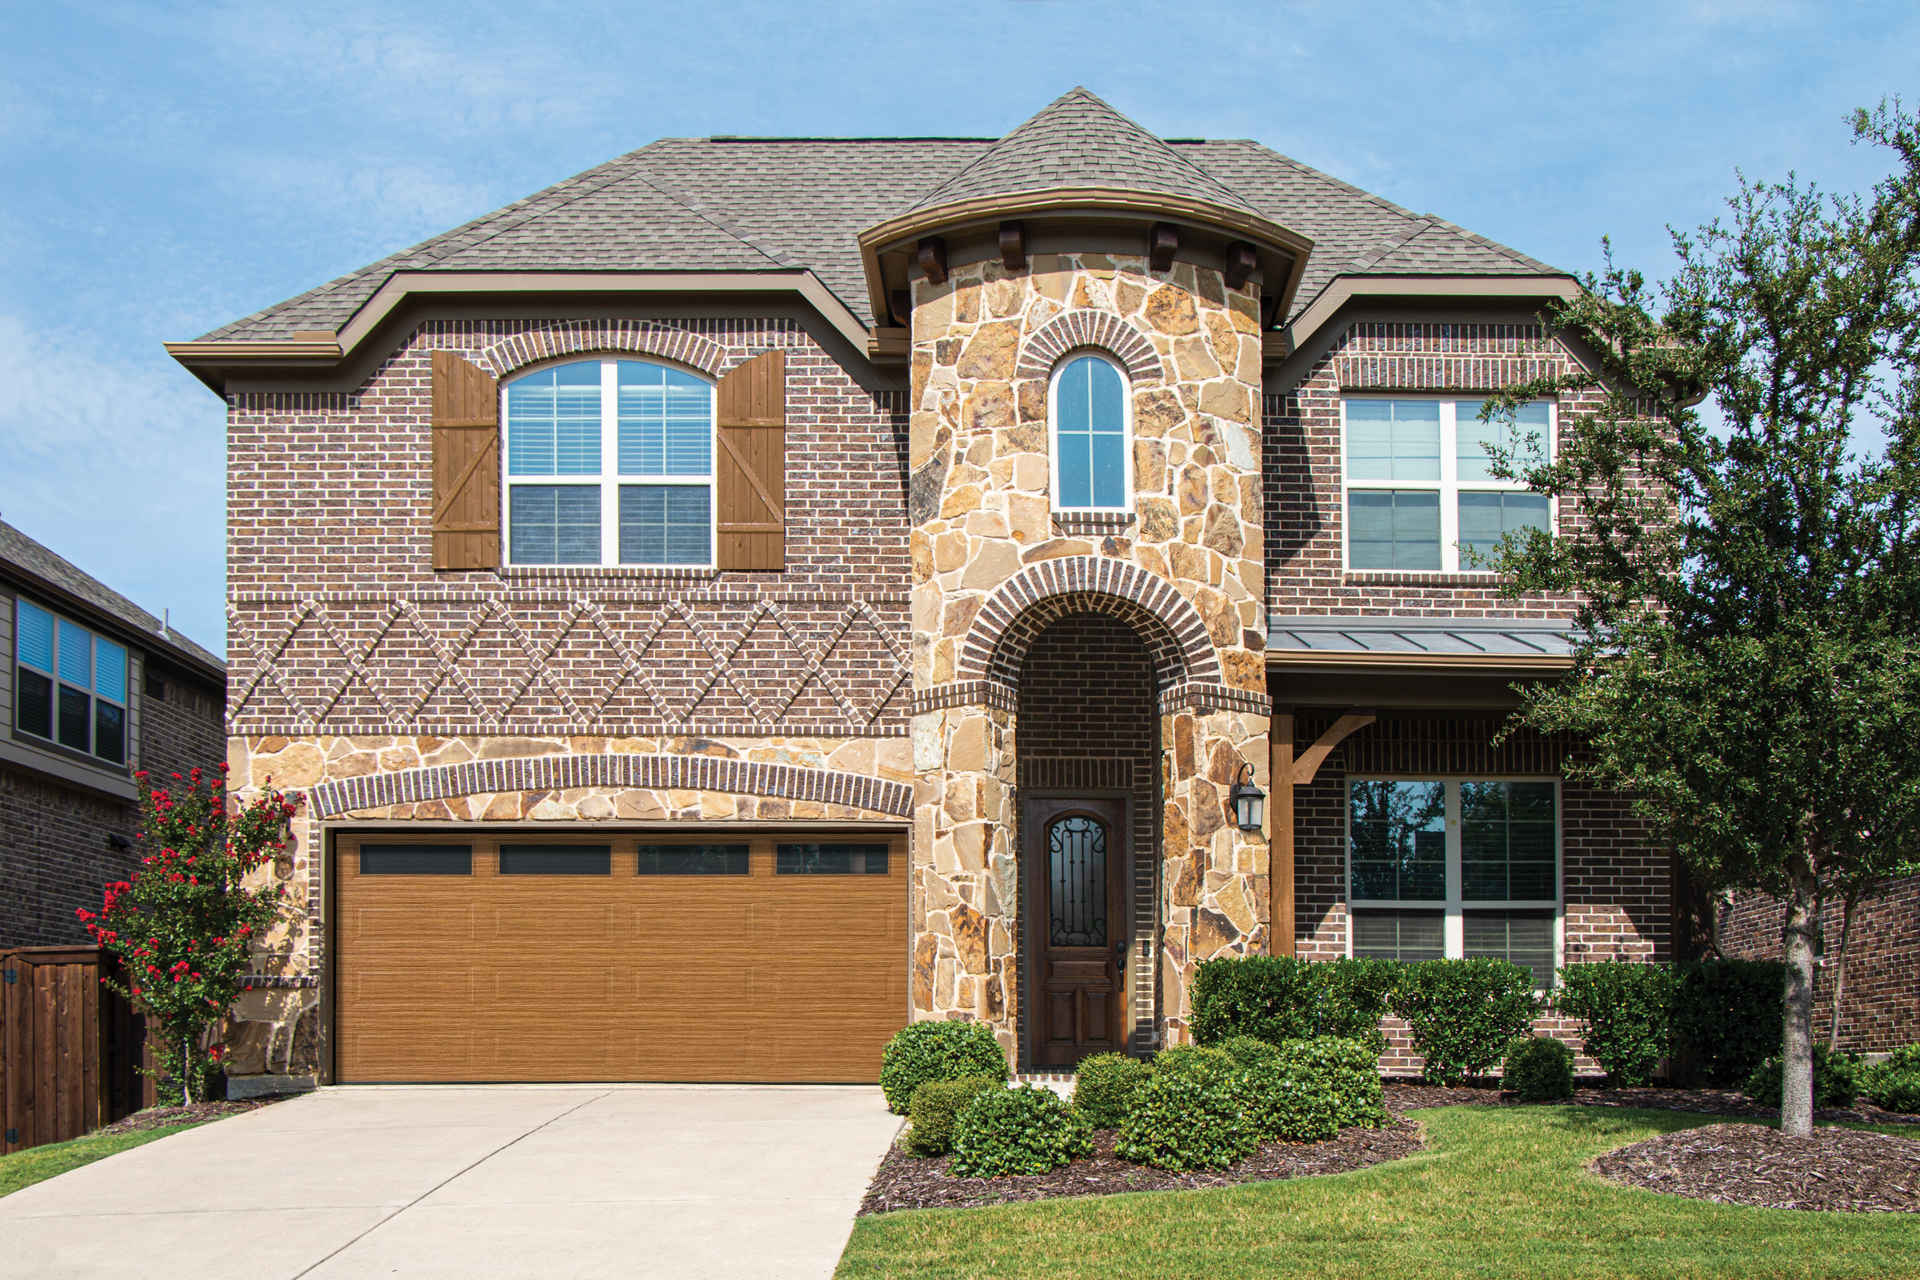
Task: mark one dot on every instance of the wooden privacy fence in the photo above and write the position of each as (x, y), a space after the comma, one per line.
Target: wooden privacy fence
(70, 1049)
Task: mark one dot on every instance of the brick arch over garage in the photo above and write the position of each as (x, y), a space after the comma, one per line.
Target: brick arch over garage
(653, 772)
(1044, 347)
(1024, 605)
(619, 337)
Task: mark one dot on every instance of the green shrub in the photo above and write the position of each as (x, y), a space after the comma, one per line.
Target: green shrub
(1014, 1131)
(923, 1051)
(1727, 1015)
(1539, 1070)
(1249, 1052)
(1895, 1083)
(936, 1104)
(1348, 1072)
(1104, 1086)
(1462, 1014)
(1280, 998)
(1190, 1114)
(1288, 1101)
(1625, 1014)
(1836, 1079)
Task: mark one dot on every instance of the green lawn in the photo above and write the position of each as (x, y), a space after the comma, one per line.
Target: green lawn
(1498, 1192)
(37, 1164)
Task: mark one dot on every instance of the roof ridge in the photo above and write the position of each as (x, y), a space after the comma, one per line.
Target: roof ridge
(641, 173)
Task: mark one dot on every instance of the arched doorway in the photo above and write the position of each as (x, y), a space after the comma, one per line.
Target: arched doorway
(1087, 760)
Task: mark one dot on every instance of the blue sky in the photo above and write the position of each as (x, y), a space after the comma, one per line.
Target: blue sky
(167, 168)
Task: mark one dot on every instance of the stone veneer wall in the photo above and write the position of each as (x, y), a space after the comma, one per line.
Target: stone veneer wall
(1187, 571)
(1615, 887)
(1880, 1010)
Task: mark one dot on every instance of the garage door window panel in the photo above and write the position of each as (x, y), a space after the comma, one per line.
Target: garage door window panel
(556, 860)
(416, 860)
(693, 860)
(831, 860)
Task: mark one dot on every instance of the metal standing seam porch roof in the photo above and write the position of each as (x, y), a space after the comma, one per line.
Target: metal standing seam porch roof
(1479, 644)
(786, 205)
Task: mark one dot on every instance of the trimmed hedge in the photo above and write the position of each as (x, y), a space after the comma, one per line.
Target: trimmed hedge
(1280, 998)
(1836, 1079)
(1895, 1083)
(924, 1051)
(1288, 1101)
(1104, 1086)
(1191, 1114)
(1539, 1070)
(1463, 1014)
(936, 1105)
(1015, 1131)
(1249, 1052)
(1625, 1014)
(1347, 1072)
(1728, 1015)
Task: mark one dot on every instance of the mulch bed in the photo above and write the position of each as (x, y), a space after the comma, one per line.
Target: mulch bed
(1835, 1169)
(159, 1117)
(1403, 1095)
(921, 1182)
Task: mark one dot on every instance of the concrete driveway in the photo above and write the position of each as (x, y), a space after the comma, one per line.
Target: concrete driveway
(471, 1181)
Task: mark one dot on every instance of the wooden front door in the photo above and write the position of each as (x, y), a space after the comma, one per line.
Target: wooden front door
(1076, 885)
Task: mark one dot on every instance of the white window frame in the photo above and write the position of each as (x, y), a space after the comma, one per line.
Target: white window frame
(610, 480)
(1053, 435)
(1454, 928)
(92, 690)
(1449, 486)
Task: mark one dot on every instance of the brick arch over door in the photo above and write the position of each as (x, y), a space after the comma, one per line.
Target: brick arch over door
(1043, 349)
(653, 772)
(1023, 606)
(620, 337)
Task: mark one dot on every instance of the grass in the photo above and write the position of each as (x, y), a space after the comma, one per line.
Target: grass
(1497, 1192)
(37, 1164)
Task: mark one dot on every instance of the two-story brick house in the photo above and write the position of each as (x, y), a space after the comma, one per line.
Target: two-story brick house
(764, 590)
(97, 689)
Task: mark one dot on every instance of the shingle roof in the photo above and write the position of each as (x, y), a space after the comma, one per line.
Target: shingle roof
(1080, 141)
(16, 548)
(763, 204)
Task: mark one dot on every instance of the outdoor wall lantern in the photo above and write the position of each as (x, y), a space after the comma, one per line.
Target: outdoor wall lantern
(1249, 801)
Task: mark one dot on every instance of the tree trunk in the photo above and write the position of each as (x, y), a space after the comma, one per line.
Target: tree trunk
(1796, 1096)
(186, 1070)
(1840, 969)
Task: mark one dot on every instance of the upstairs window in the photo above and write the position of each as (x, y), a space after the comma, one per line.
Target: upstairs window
(1455, 867)
(70, 685)
(1420, 491)
(1092, 460)
(609, 462)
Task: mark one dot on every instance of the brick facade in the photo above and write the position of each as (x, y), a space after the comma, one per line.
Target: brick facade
(1880, 1008)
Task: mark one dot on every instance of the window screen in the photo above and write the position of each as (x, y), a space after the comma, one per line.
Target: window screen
(665, 524)
(831, 859)
(693, 860)
(1523, 937)
(556, 860)
(1398, 529)
(1399, 935)
(1507, 841)
(1485, 518)
(416, 860)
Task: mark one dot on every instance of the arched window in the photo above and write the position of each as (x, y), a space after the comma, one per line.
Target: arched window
(609, 462)
(1092, 461)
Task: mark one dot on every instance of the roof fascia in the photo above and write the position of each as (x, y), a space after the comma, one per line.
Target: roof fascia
(1061, 200)
(204, 359)
(1344, 289)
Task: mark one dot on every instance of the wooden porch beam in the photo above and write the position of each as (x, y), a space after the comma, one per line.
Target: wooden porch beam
(1310, 760)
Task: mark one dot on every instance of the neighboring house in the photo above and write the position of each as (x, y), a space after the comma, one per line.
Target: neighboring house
(763, 590)
(98, 689)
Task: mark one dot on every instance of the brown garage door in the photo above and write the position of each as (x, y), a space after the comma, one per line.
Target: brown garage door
(618, 957)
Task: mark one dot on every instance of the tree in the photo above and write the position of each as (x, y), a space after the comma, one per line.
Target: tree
(1748, 595)
(184, 927)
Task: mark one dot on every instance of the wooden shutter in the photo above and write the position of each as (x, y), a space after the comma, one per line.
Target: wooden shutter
(750, 466)
(466, 465)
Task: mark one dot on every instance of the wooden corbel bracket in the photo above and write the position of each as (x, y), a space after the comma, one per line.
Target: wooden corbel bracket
(1310, 760)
